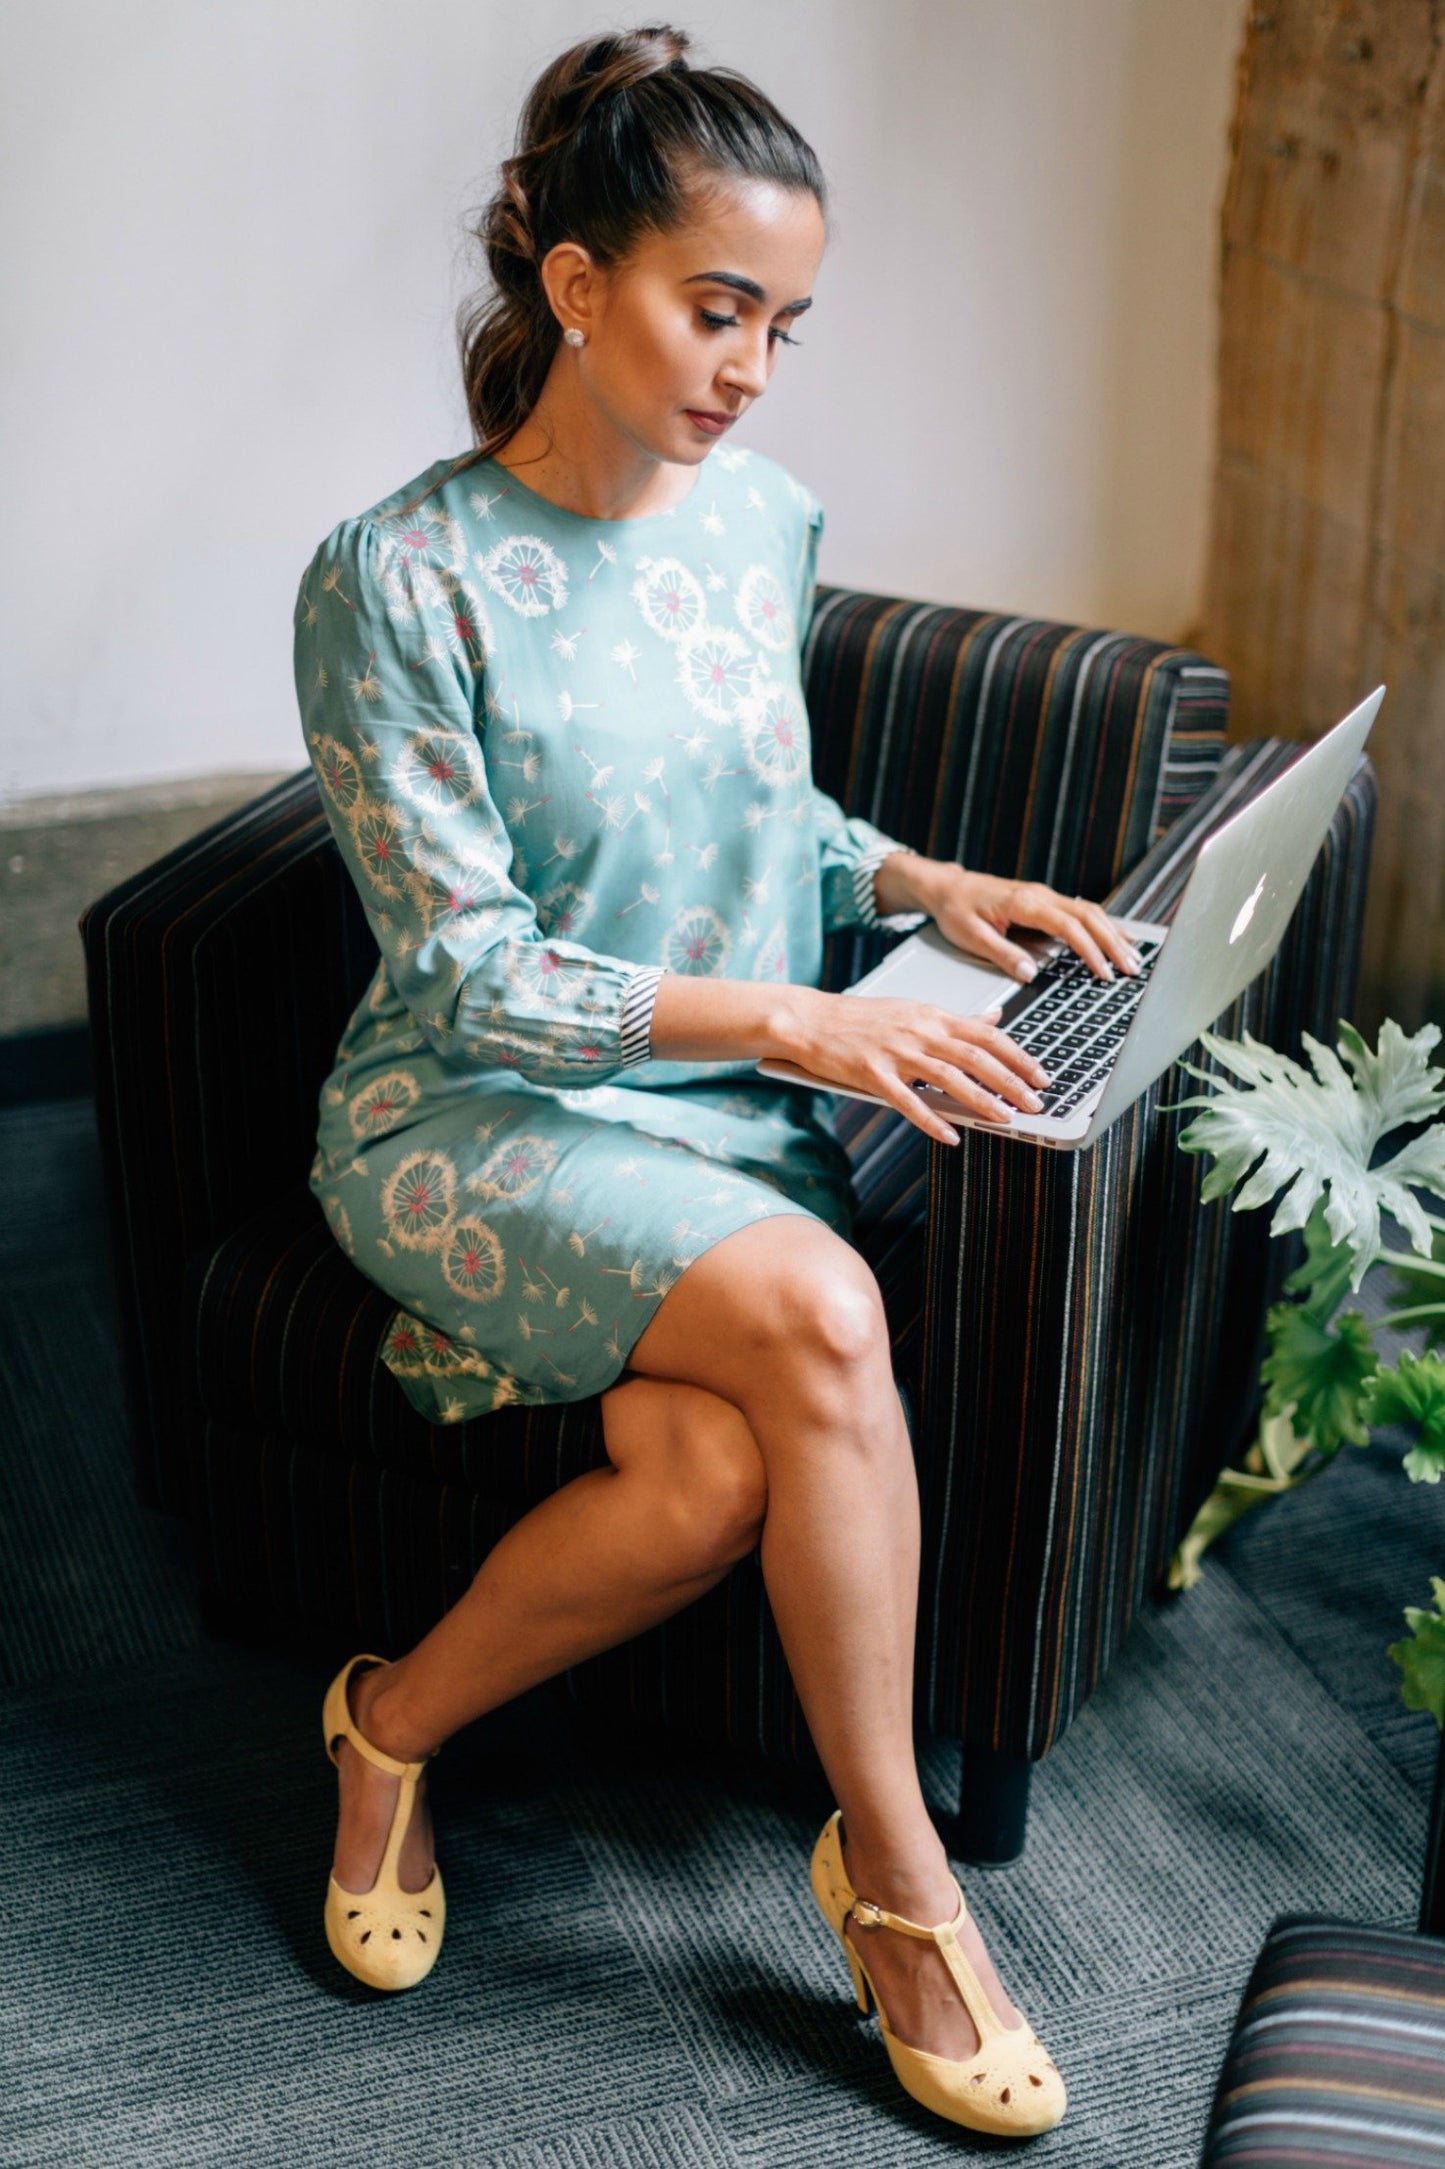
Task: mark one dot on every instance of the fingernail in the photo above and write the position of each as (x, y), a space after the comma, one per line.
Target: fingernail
(1035, 1103)
(994, 1009)
(1026, 968)
(1043, 1076)
(1135, 961)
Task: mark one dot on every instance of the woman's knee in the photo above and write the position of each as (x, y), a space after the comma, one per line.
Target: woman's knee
(699, 1454)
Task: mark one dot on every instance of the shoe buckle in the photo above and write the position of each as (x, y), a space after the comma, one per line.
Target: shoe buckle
(867, 1914)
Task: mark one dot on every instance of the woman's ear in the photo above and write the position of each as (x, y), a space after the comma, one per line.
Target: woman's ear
(571, 282)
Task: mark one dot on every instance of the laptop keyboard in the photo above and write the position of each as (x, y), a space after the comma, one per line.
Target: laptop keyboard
(1074, 1024)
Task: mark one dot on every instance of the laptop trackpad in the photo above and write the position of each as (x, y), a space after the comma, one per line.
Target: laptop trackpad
(927, 968)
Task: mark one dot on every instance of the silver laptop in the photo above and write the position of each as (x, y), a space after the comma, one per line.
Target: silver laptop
(1104, 1041)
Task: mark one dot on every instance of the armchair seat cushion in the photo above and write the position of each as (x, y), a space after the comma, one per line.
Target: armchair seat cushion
(286, 1334)
(1338, 2052)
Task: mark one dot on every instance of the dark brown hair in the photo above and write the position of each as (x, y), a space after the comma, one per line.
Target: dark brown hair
(613, 138)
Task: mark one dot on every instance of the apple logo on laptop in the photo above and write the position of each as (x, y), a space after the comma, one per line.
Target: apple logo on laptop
(1246, 910)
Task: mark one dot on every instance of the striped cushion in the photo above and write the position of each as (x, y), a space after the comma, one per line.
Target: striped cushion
(1338, 2053)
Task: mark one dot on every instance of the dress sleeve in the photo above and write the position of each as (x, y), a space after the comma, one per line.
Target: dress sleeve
(850, 849)
(386, 665)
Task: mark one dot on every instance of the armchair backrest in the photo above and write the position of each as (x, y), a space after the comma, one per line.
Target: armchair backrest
(1050, 752)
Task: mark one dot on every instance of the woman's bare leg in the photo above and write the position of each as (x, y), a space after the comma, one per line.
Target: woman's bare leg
(783, 1323)
(788, 1324)
(604, 1557)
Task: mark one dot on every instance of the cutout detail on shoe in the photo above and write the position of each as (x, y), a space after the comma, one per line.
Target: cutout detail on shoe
(1005, 2094)
(355, 1913)
(367, 1937)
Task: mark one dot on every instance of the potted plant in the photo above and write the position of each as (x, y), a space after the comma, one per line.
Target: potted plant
(1358, 1138)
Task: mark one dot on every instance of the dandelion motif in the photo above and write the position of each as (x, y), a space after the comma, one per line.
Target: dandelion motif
(451, 898)
(544, 975)
(775, 744)
(565, 848)
(403, 1348)
(730, 457)
(626, 655)
(586, 1314)
(565, 644)
(571, 707)
(756, 501)
(705, 854)
(527, 573)
(339, 770)
(438, 770)
(466, 627)
(712, 669)
(763, 607)
(472, 1262)
(649, 895)
(519, 808)
(563, 1378)
(376, 836)
(669, 597)
(368, 688)
(606, 555)
(565, 910)
(482, 503)
(717, 767)
(578, 1241)
(600, 772)
(698, 941)
(513, 1168)
(418, 1200)
(383, 1103)
(716, 581)
(712, 524)
(530, 765)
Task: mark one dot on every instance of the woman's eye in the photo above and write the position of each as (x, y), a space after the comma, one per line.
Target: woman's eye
(719, 323)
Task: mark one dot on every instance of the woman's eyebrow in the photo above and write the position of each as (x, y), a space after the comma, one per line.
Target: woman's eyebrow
(747, 286)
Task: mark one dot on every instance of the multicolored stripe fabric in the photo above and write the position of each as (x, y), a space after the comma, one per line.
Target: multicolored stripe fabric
(1338, 2054)
(259, 1408)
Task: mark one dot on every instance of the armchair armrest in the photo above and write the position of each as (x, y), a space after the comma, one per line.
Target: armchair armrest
(1091, 1333)
(219, 980)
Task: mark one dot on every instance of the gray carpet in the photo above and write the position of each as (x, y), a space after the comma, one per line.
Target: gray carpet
(634, 1976)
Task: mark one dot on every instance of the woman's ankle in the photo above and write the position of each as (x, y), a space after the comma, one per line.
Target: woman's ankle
(379, 1707)
(912, 1880)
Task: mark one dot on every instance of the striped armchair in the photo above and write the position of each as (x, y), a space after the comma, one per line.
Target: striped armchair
(1074, 1335)
(1337, 2058)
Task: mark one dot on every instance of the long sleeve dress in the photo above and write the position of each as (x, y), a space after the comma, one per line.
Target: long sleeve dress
(561, 756)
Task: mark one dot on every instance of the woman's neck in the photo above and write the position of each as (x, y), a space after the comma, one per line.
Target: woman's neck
(568, 454)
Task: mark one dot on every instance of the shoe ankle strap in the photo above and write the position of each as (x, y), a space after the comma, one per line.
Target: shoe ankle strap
(363, 1746)
(869, 1915)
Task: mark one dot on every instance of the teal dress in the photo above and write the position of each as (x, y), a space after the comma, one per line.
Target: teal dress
(561, 756)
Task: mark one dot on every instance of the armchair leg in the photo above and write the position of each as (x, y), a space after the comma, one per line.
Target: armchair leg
(993, 1809)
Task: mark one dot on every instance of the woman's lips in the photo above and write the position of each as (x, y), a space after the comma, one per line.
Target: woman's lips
(714, 424)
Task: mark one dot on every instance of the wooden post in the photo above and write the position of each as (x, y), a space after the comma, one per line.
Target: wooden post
(1327, 556)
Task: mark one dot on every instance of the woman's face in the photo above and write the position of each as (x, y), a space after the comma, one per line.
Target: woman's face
(694, 321)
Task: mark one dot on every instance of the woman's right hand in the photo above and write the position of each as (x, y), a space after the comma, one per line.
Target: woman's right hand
(879, 1045)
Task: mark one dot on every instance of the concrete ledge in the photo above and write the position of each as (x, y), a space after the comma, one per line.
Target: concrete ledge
(57, 855)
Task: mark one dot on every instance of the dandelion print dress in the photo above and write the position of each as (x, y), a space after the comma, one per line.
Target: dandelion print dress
(561, 756)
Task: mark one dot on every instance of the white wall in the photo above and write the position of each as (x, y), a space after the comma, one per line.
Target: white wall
(236, 243)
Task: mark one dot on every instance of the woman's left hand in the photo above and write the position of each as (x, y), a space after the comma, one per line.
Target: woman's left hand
(975, 911)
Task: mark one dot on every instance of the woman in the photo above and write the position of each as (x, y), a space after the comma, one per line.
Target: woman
(552, 692)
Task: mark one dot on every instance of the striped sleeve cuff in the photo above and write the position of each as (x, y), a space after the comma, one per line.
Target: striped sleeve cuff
(637, 1007)
(866, 900)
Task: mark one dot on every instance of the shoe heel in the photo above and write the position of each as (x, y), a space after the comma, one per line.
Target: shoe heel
(860, 1978)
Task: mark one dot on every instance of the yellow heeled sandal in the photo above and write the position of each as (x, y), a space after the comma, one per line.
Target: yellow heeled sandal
(1010, 2085)
(387, 1936)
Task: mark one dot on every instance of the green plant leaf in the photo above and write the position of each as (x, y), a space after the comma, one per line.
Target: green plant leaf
(1323, 1281)
(1320, 1374)
(1422, 1657)
(1423, 1292)
(1279, 1132)
(1413, 1393)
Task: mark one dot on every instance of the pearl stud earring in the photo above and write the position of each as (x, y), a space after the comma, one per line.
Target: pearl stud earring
(574, 337)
